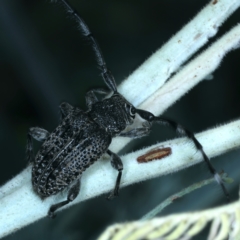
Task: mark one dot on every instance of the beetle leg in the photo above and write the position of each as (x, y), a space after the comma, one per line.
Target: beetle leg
(65, 109)
(91, 98)
(72, 194)
(136, 132)
(116, 163)
(38, 134)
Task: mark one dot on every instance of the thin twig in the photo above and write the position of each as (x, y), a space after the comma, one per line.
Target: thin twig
(180, 194)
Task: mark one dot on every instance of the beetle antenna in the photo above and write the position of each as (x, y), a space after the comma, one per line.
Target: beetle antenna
(105, 72)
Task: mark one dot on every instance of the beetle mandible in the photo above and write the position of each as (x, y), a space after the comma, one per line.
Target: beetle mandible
(84, 136)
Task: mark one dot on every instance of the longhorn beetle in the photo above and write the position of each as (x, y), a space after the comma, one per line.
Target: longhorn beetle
(83, 136)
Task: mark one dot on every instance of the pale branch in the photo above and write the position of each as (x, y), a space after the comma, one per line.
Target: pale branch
(194, 72)
(155, 71)
(188, 77)
(23, 206)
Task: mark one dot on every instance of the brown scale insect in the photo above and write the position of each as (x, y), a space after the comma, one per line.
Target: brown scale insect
(155, 154)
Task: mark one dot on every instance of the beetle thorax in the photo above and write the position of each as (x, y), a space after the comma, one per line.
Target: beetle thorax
(113, 114)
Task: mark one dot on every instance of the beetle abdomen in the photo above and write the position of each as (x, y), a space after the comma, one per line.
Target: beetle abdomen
(57, 167)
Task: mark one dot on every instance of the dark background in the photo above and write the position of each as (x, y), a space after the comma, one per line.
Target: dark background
(44, 60)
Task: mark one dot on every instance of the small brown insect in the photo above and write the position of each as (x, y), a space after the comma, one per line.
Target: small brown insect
(155, 154)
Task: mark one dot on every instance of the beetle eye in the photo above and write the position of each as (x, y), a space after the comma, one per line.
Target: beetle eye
(131, 110)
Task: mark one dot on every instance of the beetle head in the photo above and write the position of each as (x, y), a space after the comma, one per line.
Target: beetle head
(113, 114)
